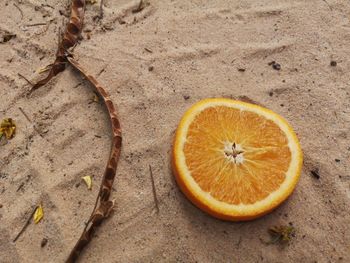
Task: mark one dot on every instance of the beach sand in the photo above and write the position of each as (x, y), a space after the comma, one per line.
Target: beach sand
(155, 63)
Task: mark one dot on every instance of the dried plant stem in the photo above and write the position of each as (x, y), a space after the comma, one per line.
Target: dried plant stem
(101, 9)
(154, 190)
(30, 121)
(25, 225)
(36, 24)
(23, 77)
(19, 9)
(25, 114)
(103, 206)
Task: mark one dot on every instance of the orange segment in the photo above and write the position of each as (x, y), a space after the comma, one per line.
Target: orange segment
(235, 160)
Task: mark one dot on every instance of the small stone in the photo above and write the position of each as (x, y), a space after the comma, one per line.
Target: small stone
(337, 160)
(1, 205)
(333, 63)
(43, 242)
(271, 93)
(150, 68)
(276, 66)
(241, 69)
(186, 97)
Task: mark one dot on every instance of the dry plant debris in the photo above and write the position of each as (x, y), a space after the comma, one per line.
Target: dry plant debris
(25, 225)
(88, 181)
(281, 234)
(103, 205)
(7, 128)
(39, 214)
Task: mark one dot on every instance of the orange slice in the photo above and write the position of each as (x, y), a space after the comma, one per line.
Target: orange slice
(235, 160)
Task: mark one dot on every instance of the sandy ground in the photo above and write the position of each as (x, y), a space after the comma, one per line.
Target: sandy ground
(156, 63)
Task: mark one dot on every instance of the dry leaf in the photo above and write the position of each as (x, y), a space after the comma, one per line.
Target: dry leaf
(281, 233)
(39, 214)
(44, 69)
(7, 128)
(88, 181)
(95, 98)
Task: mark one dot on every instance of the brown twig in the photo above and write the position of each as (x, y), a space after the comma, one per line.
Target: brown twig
(101, 9)
(101, 71)
(154, 190)
(30, 121)
(139, 8)
(20, 187)
(19, 9)
(36, 24)
(47, 5)
(77, 85)
(23, 77)
(25, 114)
(25, 225)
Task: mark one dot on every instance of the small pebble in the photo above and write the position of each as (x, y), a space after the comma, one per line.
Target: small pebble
(150, 68)
(337, 160)
(241, 69)
(43, 242)
(276, 66)
(186, 97)
(333, 63)
(0, 205)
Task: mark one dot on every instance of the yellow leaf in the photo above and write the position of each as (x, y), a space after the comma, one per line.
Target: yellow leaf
(7, 128)
(88, 181)
(44, 69)
(39, 214)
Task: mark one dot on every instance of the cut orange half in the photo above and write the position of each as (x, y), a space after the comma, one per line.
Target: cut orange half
(235, 160)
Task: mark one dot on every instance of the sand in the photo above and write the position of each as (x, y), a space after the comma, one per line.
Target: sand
(156, 63)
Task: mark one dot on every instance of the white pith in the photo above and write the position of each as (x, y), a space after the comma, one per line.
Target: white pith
(228, 152)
